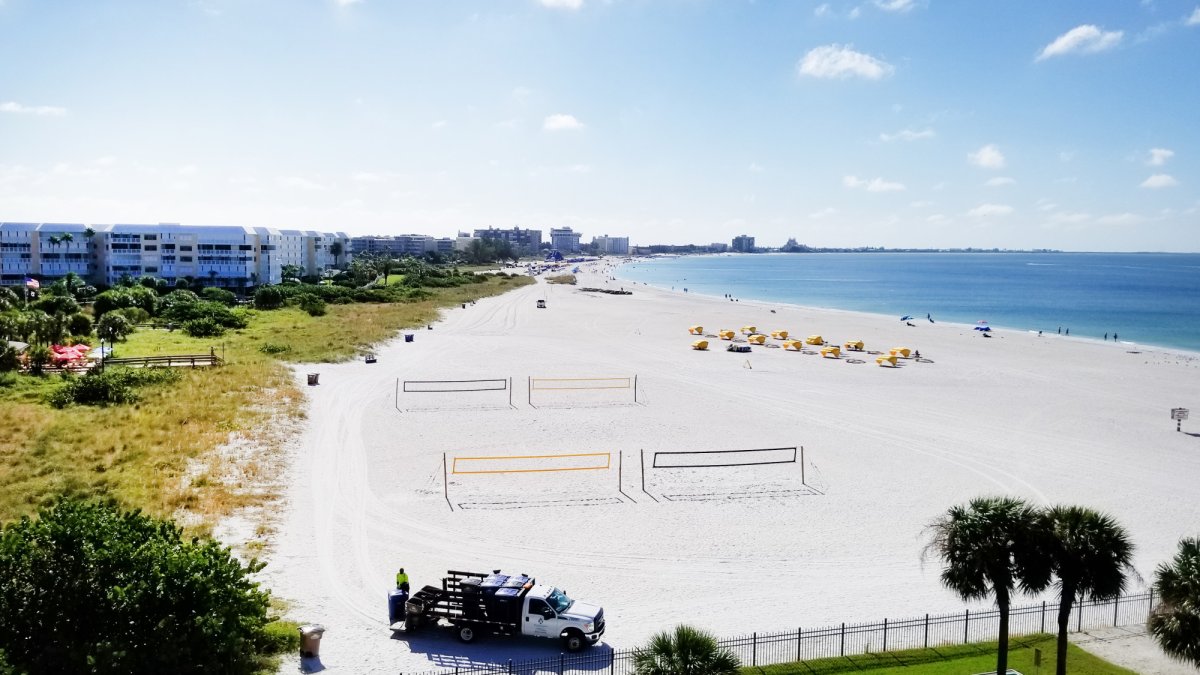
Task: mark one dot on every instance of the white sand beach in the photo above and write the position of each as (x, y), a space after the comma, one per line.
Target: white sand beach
(732, 550)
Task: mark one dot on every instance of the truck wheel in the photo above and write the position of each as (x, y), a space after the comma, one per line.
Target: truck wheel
(412, 622)
(467, 634)
(574, 641)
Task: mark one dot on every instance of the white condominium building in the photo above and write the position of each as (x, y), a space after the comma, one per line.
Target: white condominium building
(611, 245)
(230, 256)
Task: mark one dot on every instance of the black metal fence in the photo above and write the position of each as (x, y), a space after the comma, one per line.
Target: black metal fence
(847, 639)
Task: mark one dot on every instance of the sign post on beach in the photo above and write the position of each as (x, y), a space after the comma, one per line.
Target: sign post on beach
(1179, 415)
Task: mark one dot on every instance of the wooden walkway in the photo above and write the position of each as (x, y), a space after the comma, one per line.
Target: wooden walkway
(167, 361)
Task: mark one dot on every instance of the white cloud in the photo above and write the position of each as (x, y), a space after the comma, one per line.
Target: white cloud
(440, 124)
(822, 10)
(1066, 156)
(1085, 39)
(1159, 180)
(838, 62)
(366, 177)
(823, 213)
(298, 183)
(754, 168)
(1069, 218)
(937, 219)
(873, 185)
(41, 110)
(894, 5)
(855, 13)
(346, 3)
(987, 210)
(920, 204)
(579, 168)
(1159, 156)
(987, 157)
(1120, 219)
(561, 122)
(1000, 181)
(562, 4)
(907, 135)
(1194, 19)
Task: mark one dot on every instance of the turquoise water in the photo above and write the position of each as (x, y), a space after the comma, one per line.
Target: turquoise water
(1147, 298)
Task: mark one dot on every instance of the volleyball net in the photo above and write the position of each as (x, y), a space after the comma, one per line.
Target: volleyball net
(583, 390)
(728, 475)
(529, 480)
(470, 393)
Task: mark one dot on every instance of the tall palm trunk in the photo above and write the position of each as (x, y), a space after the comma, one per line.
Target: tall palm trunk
(1066, 601)
(1002, 604)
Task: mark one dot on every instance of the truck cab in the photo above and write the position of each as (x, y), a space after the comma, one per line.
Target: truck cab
(549, 612)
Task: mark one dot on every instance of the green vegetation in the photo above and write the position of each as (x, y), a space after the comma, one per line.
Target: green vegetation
(955, 660)
(90, 588)
(561, 279)
(1175, 625)
(112, 386)
(684, 651)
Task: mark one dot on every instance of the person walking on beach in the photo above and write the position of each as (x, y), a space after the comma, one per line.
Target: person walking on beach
(1106, 337)
(1114, 337)
(1068, 331)
(1060, 330)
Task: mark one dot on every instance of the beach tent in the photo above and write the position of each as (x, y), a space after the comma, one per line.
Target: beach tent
(18, 346)
(779, 334)
(886, 361)
(985, 329)
(854, 345)
(725, 334)
(815, 340)
(793, 344)
(900, 351)
(700, 345)
(696, 330)
(749, 330)
(833, 350)
(757, 339)
(906, 318)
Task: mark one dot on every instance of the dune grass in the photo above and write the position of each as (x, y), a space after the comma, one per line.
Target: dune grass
(161, 454)
(953, 660)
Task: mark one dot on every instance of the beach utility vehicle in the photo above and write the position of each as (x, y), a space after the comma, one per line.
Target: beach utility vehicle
(541, 304)
(477, 604)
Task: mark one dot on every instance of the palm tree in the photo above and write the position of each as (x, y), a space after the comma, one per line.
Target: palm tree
(684, 651)
(991, 546)
(1175, 625)
(66, 238)
(1091, 555)
(336, 249)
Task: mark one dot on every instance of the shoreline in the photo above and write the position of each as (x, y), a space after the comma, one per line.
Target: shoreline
(1139, 346)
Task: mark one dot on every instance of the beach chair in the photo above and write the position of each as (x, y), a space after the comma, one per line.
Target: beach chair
(696, 330)
(779, 334)
(886, 361)
(700, 345)
(902, 352)
(834, 351)
(854, 345)
(796, 345)
(815, 340)
(725, 334)
(757, 339)
(749, 330)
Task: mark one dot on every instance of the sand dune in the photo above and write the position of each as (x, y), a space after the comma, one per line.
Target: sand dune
(1050, 418)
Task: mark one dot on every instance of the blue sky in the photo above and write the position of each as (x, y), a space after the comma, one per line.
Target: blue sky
(1069, 125)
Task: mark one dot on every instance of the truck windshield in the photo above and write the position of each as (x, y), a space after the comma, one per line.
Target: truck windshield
(559, 601)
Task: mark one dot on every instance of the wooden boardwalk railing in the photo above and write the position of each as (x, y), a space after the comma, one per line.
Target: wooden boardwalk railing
(166, 361)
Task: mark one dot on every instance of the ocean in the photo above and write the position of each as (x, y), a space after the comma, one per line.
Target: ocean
(1145, 298)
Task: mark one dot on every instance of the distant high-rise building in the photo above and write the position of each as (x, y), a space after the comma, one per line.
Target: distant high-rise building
(526, 241)
(611, 245)
(743, 244)
(563, 239)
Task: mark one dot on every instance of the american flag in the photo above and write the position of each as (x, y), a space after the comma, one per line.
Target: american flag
(32, 284)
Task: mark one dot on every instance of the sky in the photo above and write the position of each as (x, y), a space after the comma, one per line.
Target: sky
(1015, 124)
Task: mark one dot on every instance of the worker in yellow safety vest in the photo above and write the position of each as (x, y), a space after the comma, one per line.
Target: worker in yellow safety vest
(402, 580)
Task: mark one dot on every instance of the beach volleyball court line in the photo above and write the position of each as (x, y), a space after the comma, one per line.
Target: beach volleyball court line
(540, 503)
(533, 463)
(807, 491)
(717, 458)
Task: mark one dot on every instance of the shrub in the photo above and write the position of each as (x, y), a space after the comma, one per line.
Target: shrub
(280, 636)
(10, 359)
(203, 327)
(174, 298)
(313, 305)
(112, 386)
(79, 324)
(214, 294)
(37, 356)
(272, 348)
(56, 304)
(89, 588)
(268, 297)
(134, 315)
(206, 309)
(113, 327)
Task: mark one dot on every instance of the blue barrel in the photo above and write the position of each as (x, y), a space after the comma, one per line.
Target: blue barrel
(396, 600)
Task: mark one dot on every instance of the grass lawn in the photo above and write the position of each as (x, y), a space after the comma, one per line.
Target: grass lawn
(955, 660)
(159, 454)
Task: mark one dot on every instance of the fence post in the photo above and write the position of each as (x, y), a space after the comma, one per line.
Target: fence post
(799, 636)
(843, 648)
(510, 670)
(754, 650)
(612, 662)
(927, 630)
(1043, 630)
(561, 657)
(1079, 619)
(966, 623)
(1150, 608)
(1116, 604)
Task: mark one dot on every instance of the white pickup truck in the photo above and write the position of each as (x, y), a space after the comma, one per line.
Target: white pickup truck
(476, 604)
